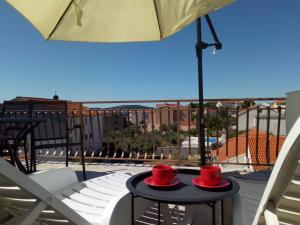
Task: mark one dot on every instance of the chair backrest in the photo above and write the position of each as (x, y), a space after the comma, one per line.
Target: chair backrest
(14, 111)
(281, 199)
(53, 112)
(19, 195)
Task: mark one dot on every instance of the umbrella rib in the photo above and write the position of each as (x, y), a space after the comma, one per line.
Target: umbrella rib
(158, 21)
(58, 22)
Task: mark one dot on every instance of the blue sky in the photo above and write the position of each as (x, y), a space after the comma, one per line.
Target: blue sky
(260, 58)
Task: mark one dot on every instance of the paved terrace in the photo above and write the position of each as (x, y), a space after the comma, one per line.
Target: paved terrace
(252, 183)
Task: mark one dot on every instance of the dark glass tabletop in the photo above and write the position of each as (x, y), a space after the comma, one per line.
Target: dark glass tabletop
(184, 193)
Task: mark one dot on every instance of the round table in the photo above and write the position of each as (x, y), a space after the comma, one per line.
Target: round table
(185, 193)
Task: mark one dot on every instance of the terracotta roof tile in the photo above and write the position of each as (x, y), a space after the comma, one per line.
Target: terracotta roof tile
(223, 156)
(232, 146)
(260, 157)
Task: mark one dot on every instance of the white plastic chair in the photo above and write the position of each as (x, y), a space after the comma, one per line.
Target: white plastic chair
(56, 197)
(280, 203)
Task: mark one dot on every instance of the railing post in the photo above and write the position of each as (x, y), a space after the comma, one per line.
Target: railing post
(207, 131)
(189, 130)
(67, 134)
(169, 138)
(247, 135)
(152, 131)
(278, 131)
(237, 134)
(160, 132)
(128, 142)
(257, 134)
(268, 136)
(227, 132)
(93, 133)
(178, 131)
(82, 142)
(145, 131)
(217, 132)
(99, 131)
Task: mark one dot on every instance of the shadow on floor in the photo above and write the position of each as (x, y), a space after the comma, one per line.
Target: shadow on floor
(262, 176)
(90, 175)
(94, 174)
(252, 187)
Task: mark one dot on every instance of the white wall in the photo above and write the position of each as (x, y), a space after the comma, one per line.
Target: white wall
(92, 135)
(292, 109)
(263, 121)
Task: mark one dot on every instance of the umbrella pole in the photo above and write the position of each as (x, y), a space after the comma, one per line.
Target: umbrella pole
(199, 51)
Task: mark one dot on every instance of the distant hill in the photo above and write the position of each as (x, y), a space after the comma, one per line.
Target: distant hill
(130, 107)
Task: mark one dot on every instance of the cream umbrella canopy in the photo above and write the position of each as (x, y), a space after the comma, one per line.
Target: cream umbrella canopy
(123, 21)
(112, 20)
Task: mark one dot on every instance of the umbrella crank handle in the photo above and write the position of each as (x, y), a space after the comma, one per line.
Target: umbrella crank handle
(218, 45)
(203, 45)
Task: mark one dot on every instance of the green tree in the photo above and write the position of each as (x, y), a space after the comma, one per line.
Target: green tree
(248, 103)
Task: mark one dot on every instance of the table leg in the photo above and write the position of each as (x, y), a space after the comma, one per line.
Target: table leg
(222, 212)
(132, 209)
(214, 213)
(213, 206)
(158, 215)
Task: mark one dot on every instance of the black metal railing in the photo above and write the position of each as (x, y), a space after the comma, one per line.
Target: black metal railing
(236, 132)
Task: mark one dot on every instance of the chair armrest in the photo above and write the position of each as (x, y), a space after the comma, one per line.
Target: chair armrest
(55, 179)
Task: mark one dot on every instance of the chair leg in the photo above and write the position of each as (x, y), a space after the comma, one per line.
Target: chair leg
(12, 221)
(189, 215)
(32, 215)
(11, 153)
(270, 214)
(165, 211)
(26, 154)
(168, 218)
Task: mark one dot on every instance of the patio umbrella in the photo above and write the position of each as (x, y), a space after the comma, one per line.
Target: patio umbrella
(122, 21)
(112, 20)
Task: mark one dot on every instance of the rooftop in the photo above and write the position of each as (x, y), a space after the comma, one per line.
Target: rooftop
(130, 147)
